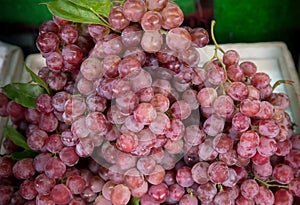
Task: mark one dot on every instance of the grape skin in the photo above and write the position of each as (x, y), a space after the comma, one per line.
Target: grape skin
(131, 114)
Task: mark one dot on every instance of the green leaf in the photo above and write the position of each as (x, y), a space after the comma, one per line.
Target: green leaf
(38, 80)
(24, 154)
(23, 93)
(69, 11)
(101, 7)
(10, 133)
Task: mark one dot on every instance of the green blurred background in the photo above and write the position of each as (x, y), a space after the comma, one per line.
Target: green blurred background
(237, 20)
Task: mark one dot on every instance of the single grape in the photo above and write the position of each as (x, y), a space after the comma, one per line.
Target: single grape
(60, 194)
(172, 16)
(264, 196)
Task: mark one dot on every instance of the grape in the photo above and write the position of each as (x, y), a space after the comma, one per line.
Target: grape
(6, 166)
(15, 110)
(85, 147)
(267, 147)
(69, 156)
(151, 41)
(240, 122)
(200, 37)
(160, 124)
(160, 102)
(157, 176)
(134, 10)
(128, 104)
(218, 172)
(44, 199)
(27, 189)
(131, 36)
(151, 21)
(78, 201)
(199, 172)
(223, 198)
(55, 61)
(6, 192)
(222, 143)
(160, 192)
(283, 196)
(184, 177)
(37, 139)
(23, 169)
(180, 109)
(260, 80)
(60, 194)
(69, 33)
(249, 139)
(129, 67)
(156, 5)
(280, 99)
(215, 75)
(91, 68)
(136, 52)
(88, 195)
(243, 201)
(72, 54)
(206, 150)
(145, 113)
(223, 106)
(234, 73)
(213, 125)
(206, 96)
(178, 39)
(117, 18)
(55, 168)
(48, 26)
(249, 107)
(231, 57)
(283, 173)
(264, 196)
(248, 68)
(292, 158)
(97, 123)
(43, 184)
(172, 16)
(148, 200)
(56, 80)
(249, 188)
(206, 192)
(98, 32)
(47, 42)
(237, 91)
(48, 122)
(194, 135)
(263, 171)
(127, 142)
(294, 187)
(259, 159)
(176, 192)
(100, 200)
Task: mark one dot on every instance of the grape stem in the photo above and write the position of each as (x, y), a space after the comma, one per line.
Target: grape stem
(220, 187)
(279, 82)
(135, 201)
(269, 184)
(217, 47)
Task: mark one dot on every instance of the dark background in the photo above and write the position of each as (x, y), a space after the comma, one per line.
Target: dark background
(237, 21)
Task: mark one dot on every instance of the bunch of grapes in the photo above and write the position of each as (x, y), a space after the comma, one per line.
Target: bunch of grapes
(133, 119)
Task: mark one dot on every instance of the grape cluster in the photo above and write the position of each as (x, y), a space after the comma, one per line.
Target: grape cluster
(133, 119)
